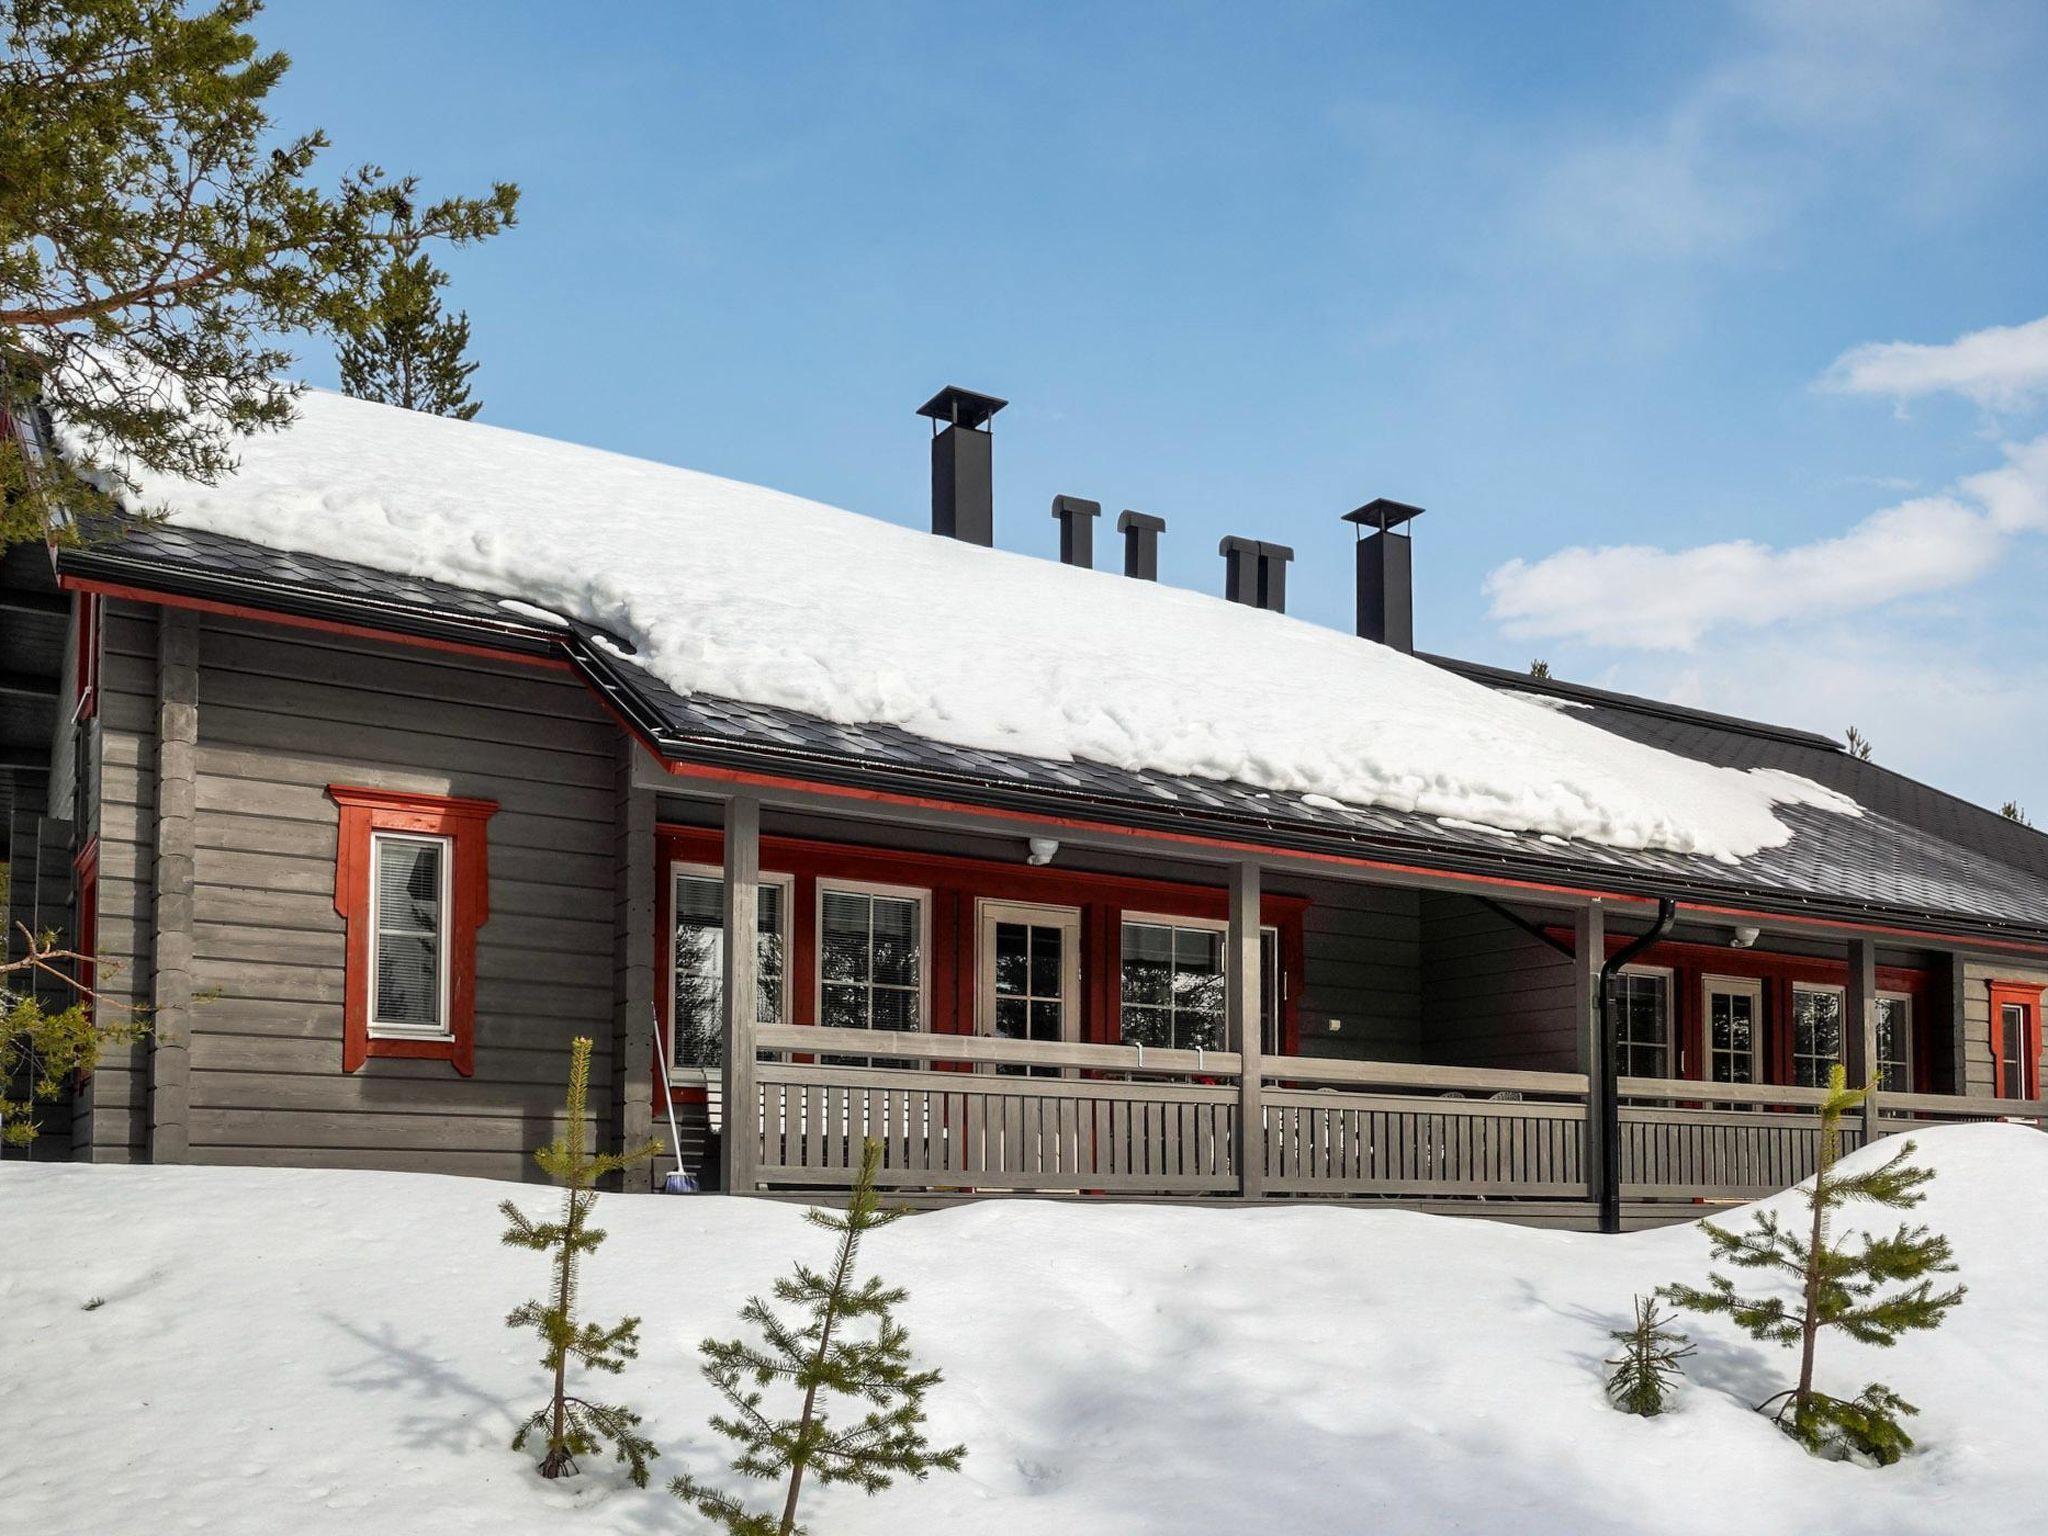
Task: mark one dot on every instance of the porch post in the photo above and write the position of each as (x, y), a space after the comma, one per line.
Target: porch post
(1951, 973)
(170, 1036)
(1246, 988)
(634, 958)
(1589, 953)
(1859, 1027)
(740, 1141)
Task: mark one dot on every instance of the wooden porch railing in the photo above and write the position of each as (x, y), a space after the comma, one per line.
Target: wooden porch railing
(1686, 1140)
(958, 1114)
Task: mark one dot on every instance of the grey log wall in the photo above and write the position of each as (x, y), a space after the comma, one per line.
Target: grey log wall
(280, 715)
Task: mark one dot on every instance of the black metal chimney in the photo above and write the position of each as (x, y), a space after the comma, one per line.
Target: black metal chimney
(1255, 572)
(1077, 529)
(1141, 532)
(1386, 572)
(963, 471)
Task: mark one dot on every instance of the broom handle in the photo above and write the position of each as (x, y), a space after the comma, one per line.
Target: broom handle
(668, 1097)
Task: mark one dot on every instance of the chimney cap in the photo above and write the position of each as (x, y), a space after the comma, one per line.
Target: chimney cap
(1275, 551)
(1128, 520)
(957, 407)
(1382, 514)
(1237, 543)
(1075, 506)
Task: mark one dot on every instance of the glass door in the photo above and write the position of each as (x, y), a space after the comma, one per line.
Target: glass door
(1028, 985)
(1734, 1013)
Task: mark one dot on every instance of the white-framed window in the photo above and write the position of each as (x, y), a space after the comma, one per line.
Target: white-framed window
(1817, 1033)
(1174, 980)
(1639, 1002)
(696, 964)
(1027, 973)
(872, 944)
(1895, 1042)
(1734, 1012)
(410, 883)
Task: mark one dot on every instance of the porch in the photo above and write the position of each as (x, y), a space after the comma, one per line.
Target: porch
(1701, 1092)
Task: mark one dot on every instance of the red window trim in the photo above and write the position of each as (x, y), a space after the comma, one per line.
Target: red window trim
(955, 882)
(462, 822)
(86, 670)
(2028, 996)
(85, 924)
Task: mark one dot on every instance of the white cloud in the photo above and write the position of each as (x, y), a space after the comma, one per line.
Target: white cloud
(1641, 597)
(2004, 367)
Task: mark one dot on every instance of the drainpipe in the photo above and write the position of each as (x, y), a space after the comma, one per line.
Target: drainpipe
(1610, 1073)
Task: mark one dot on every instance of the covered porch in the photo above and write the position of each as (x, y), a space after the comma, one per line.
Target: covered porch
(1016, 1005)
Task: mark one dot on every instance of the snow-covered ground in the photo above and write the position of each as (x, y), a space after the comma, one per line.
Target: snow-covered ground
(740, 591)
(321, 1353)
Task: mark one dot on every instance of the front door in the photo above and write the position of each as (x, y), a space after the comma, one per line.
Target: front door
(1028, 973)
(1734, 1025)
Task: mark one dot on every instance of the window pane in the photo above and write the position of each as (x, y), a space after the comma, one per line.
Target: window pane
(408, 886)
(1046, 978)
(1013, 1017)
(408, 980)
(896, 958)
(1045, 1021)
(894, 1008)
(1148, 966)
(408, 938)
(1012, 959)
(1148, 1026)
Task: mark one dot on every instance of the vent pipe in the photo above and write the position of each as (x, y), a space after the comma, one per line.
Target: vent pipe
(1077, 529)
(1255, 572)
(1141, 532)
(1386, 572)
(963, 470)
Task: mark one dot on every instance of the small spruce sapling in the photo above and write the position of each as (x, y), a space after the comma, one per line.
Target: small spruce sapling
(1641, 1379)
(1874, 1293)
(822, 1356)
(574, 1426)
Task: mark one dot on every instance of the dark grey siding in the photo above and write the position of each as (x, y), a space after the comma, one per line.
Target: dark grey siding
(284, 713)
(1492, 995)
(1362, 972)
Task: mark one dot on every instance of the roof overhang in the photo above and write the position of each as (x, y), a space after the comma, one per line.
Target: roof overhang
(1507, 871)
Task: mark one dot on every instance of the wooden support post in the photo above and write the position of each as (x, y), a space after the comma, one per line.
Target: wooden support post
(1589, 953)
(741, 1137)
(1859, 1028)
(1246, 988)
(633, 965)
(170, 996)
(1951, 1003)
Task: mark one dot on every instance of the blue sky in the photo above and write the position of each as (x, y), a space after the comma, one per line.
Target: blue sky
(1587, 282)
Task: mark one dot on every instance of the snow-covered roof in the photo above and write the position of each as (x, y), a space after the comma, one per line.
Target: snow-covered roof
(747, 593)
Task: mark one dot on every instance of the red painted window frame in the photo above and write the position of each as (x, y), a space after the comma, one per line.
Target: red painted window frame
(955, 882)
(86, 668)
(463, 822)
(2027, 995)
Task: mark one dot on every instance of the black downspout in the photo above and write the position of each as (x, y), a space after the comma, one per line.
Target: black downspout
(1610, 1073)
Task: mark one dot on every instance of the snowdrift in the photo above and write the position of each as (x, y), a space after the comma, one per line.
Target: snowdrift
(323, 1353)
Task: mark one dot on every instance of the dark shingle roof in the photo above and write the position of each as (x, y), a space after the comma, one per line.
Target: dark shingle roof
(1917, 854)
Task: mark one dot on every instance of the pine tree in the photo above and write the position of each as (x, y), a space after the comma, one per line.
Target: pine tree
(820, 1357)
(160, 239)
(405, 351)
(1859, 745)
(2013, 811)
(1539, 668)
(1874, 1293)
(574, 1426)
(1646, 1372)
(40, 1049)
